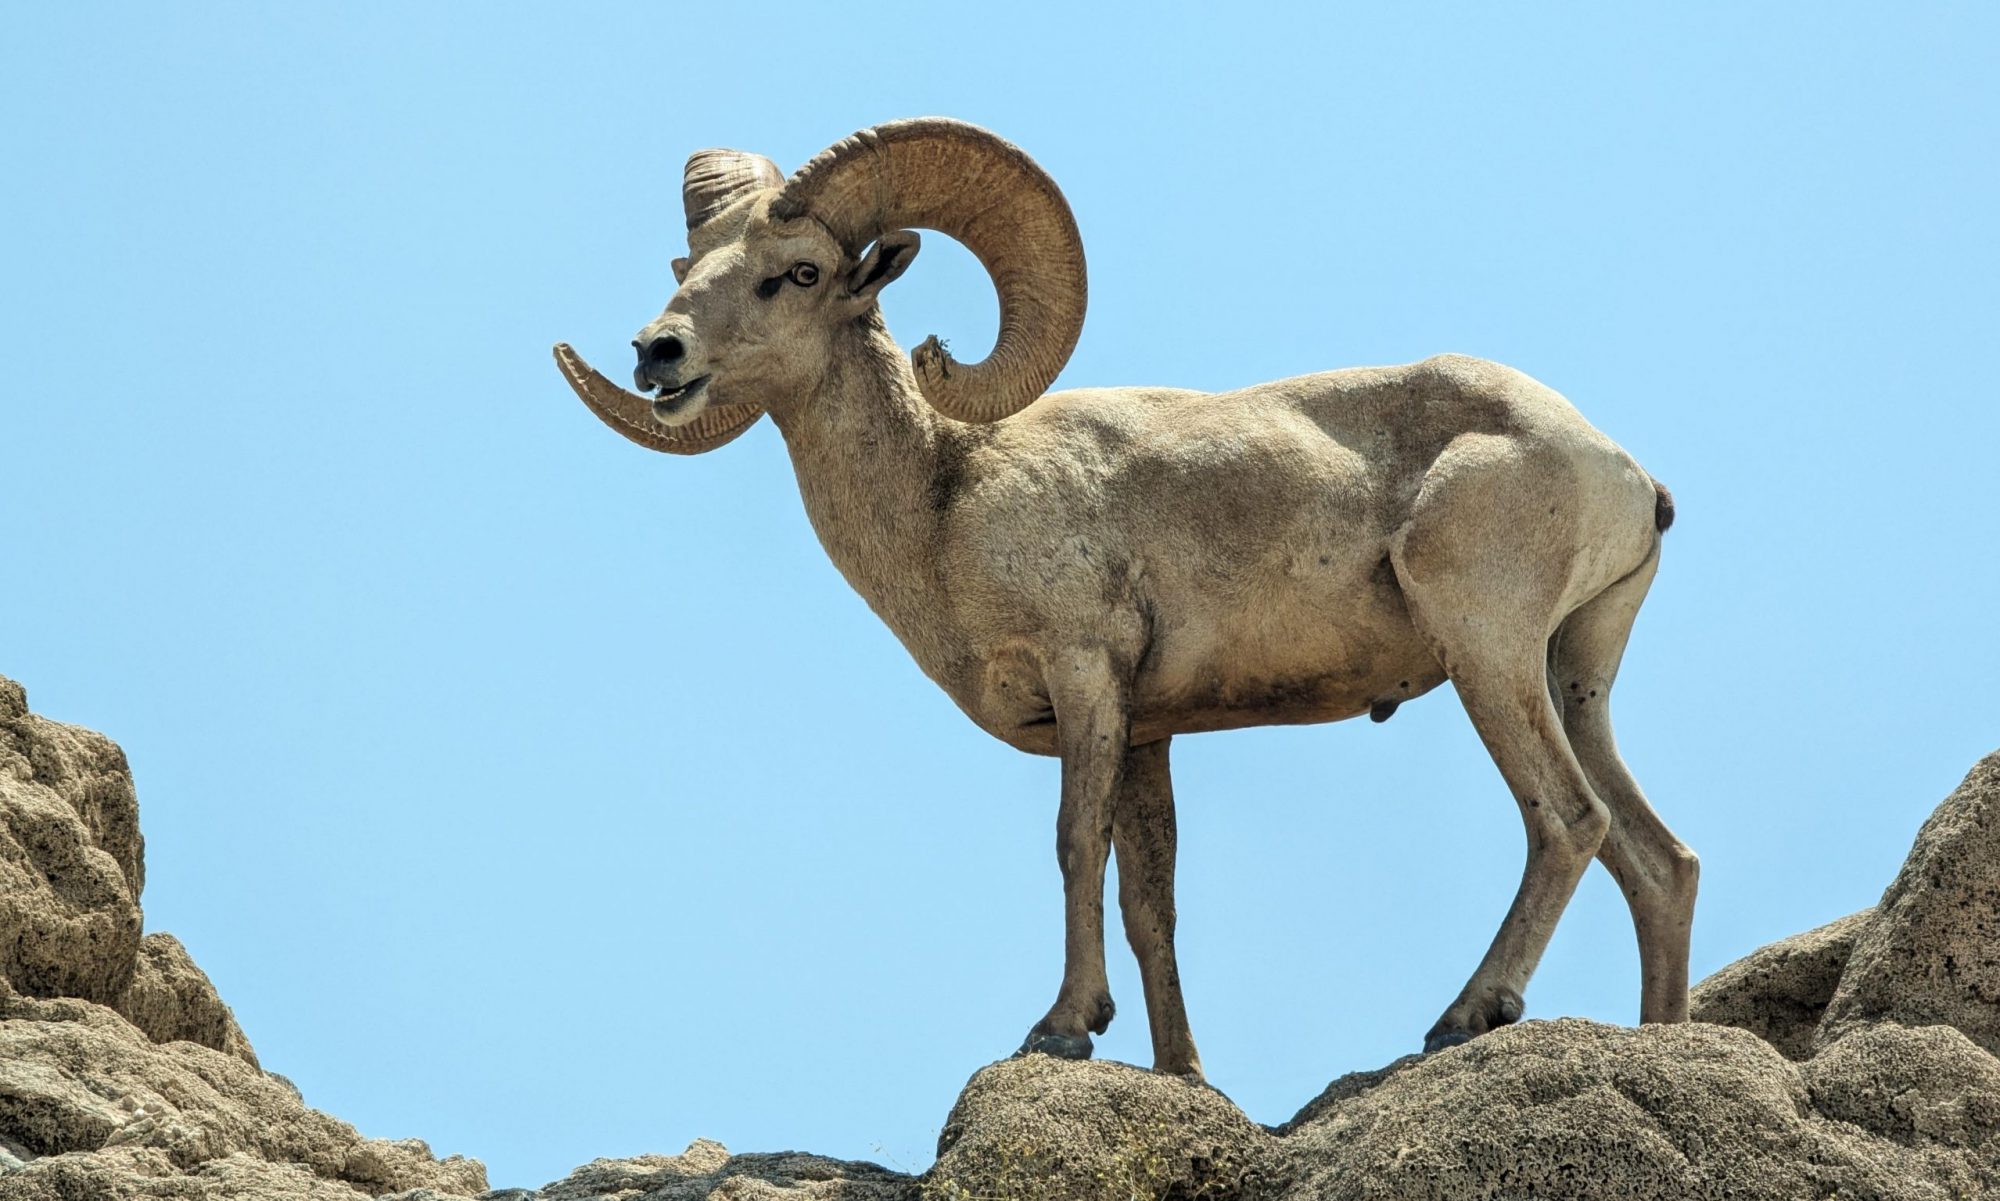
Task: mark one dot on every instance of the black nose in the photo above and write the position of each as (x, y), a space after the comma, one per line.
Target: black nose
(663, 350)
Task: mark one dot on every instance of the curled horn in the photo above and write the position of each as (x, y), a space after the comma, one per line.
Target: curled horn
(712, 181)
(936, 173)
(632, 415)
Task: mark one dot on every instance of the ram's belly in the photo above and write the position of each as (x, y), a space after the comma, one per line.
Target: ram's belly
(1279, 667)
(1266, 657)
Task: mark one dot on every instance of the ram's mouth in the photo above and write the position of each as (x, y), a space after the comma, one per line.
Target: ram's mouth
(669, 403)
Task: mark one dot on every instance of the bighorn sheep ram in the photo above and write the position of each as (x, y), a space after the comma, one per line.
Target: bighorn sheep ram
(1092, 572)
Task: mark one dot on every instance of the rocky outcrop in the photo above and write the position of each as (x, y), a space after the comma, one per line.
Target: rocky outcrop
(122, 1073)
(1883, 1082)
(1037, 1127)
(1927, 955)
(1780, 992)
(72, 866)
(1931, 956)
(106, 1111)
(71, 859)
(172, 1000)
(1576, 1109)
(1856, 1060)
(1566, 1109)
(707, 1169)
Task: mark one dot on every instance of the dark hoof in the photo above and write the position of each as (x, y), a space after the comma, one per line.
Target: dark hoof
(1062, 1046)
(1438, 1039)
(1504, 1009)
(1101, 1020)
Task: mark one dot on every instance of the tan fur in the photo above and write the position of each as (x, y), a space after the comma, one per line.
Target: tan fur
(1113, 566)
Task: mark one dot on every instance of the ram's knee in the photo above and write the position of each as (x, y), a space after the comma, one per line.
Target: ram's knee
(1575, 831)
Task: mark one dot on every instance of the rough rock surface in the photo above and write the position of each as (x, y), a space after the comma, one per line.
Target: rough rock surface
(1042, 1127)
(71, 859)
(1780, 992)
(1924, 1086)
(104, 1109)
(1574, 1109)
(1932, 955)
(707, 1169)
(122, 1073)
(1856, 1061)
(172, 1000)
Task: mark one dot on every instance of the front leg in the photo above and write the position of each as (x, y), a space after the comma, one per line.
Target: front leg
(1092, 722)
(1143, 837)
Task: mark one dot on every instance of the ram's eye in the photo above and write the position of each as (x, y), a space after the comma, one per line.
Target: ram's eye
(805, 275)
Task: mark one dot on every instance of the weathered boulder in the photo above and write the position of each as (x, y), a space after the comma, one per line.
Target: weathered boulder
(1780, 992)
(172, 1000)
(707, 1169)
(71, 859)
(1932, 954)
(72, 866)
(122, 1173)
(122, 1073)
(1928, 1086)
(91, 1097)
(1039, 1127)
(99, 1109)
(1574, 1109)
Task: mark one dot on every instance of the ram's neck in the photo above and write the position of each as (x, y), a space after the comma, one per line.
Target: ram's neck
(865, 449)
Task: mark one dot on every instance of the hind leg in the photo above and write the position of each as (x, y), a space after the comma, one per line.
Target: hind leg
(1486, 590)
(1657, 872)
(1506, 696)
(1498, 664)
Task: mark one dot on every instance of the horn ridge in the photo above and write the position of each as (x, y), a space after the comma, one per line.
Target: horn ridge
(985, 192)
(715, 179)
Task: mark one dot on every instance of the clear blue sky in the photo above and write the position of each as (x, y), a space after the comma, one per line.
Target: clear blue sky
(548, 799)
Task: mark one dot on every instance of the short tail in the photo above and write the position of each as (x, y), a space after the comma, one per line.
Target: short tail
(1663, 507)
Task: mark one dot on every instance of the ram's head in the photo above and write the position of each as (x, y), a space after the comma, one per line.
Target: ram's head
(777, 267)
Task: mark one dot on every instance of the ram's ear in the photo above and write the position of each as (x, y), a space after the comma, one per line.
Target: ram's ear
(680, 271)
(886, 259)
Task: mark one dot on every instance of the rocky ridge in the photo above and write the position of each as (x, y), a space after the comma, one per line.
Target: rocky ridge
(1856, 1060)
